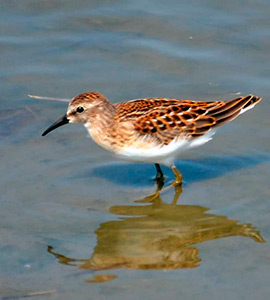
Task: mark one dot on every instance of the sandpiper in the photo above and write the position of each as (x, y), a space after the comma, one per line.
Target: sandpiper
(153, 130)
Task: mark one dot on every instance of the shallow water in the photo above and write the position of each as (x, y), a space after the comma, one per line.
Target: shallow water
(74, 221)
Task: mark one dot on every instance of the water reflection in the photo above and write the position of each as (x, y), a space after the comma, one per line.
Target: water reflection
(156, 236)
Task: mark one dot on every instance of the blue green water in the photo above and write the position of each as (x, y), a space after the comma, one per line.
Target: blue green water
(68, 211)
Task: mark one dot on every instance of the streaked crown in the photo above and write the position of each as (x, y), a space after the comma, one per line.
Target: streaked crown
(80, 106)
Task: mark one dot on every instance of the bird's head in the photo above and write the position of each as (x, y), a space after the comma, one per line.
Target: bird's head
(79, 110)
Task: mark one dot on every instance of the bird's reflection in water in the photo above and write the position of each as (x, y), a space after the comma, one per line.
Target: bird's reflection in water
(156, 236)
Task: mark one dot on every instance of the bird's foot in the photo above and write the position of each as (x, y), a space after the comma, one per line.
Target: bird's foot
(152, 197)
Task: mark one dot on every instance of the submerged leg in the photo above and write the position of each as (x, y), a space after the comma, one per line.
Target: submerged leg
(178, 176)
(177, 184)
(178, 191)
(152, 197)
(159, 174)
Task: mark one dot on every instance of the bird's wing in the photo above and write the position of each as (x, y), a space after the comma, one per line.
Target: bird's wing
(167, 119)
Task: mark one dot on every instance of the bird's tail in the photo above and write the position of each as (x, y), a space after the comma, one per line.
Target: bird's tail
(226, 111)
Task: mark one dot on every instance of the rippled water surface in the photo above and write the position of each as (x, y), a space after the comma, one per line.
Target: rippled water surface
(75, 223)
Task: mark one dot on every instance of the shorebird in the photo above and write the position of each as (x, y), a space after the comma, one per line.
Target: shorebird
(152, 130)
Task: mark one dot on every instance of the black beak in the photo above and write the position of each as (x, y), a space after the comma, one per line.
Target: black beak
(62, 121)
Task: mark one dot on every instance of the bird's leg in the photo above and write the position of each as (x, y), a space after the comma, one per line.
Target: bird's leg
(159, 174)
(178, 176)
(178, 191)
(177, 184)
(153, 197)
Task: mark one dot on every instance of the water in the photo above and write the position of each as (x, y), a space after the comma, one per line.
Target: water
(74, 222)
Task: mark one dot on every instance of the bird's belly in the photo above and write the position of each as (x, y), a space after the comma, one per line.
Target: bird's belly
(163, 154)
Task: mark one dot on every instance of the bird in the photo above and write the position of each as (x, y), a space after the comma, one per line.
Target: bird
(154, 130)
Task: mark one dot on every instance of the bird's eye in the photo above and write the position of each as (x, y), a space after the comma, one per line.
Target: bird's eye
(80, 109)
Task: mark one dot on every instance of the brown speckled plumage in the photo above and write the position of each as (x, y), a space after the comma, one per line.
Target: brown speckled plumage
(151, 129)
(166, 119)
